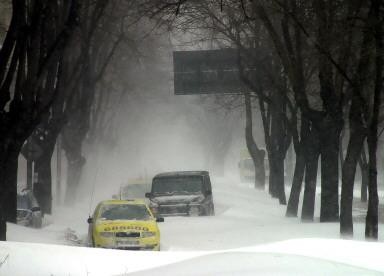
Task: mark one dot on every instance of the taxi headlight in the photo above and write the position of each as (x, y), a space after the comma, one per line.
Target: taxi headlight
(148, 234)
(106, 234)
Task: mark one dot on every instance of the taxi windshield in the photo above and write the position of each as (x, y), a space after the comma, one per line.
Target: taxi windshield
(125, 212)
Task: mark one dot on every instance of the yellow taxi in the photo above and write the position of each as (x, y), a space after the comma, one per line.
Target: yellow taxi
(124, 224)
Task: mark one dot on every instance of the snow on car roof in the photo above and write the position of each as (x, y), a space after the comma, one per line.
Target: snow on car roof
(180, 173)
(127, 201)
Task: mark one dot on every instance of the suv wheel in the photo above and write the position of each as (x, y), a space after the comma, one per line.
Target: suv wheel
(194, 212)
(212, 210)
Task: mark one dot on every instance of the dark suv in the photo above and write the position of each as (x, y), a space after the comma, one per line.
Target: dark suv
(181, 194)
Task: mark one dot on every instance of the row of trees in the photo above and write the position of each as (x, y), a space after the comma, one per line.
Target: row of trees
(30, 62)
(315, 69)
(57, 66)
(309, 82)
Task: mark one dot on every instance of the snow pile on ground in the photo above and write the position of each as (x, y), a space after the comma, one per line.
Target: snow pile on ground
(294, 257)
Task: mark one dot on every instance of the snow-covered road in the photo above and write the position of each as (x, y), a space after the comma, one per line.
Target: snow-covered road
(248, 233)
(244, 217)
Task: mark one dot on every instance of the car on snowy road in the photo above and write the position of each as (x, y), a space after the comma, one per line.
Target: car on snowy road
(28, 211)
(124, 224)
(185, 193)
(134, 188)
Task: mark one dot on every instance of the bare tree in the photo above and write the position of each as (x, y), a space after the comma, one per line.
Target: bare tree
(29, 66)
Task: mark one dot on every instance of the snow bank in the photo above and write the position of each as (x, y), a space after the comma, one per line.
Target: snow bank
(293, 257)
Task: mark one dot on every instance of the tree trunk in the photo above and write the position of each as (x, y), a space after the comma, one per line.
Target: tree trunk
(46, 135)
(330, 134)
(276, 176)
(293, 202)
(312, 152)
(371, 221)
(272, 175)
(364, 177)
(9, 153)
(72, 139)
(298, 176)
(332, 121)
(280, 183)
(276, 154)
(9, 185)
(341, 152)
(43, 186)
(256, 154)
(3, 227)
(356, 140)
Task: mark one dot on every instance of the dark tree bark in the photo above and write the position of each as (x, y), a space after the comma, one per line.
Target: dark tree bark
(9, 174)
(277, 171)
(298, 176)
(312, 152)
(332, 121)
(11, 143)
(277, 146)
(363, 164)
(256, 154)
(371, 221)
(357, 136)
(329, 136)
(43, 186)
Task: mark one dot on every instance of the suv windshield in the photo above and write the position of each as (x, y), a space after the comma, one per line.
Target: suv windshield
(124, 212)
(177, 184)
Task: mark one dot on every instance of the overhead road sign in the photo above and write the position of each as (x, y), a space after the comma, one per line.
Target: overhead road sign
(207, 72)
